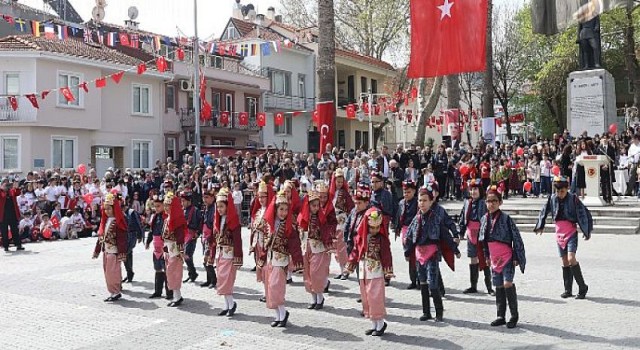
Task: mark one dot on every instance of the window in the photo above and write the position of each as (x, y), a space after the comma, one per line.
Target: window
(302, 86)
(341, 139)
(280, 82)
(141, 99)
(10, 152)
(230, 33)
(216, 104)
(362, 139)
(351, 89)
(171, 147)
(363, 84)
(71, 81)
(12, 84)
(170, 97)
(374, 86)
(286, 128)
(215, 62)
(228, 102)
(141, 158)
(63, 150)
(251, 107)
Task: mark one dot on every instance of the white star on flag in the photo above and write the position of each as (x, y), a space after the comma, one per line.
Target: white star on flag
(445, 9)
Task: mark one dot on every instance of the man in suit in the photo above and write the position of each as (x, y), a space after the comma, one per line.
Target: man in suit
(382, 162)
(606, 171)
(9, 213)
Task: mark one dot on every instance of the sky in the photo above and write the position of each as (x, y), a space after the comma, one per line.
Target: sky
(167, 16)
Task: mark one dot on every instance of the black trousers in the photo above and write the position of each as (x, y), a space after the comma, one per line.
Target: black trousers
(4, 227)
(128, 264)
(606, 186)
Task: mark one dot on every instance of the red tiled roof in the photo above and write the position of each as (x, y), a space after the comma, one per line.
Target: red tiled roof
(248, 30)
(366, 59)
(76, 48)
(243, 27)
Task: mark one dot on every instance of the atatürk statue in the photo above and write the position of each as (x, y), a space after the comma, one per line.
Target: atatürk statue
(590, 44)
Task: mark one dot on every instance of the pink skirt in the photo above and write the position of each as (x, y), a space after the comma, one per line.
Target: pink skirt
(174, 272)
(226, 274)
(275, 285)
(112, 273)
(316, 271)
(341, 249)
(372, 292)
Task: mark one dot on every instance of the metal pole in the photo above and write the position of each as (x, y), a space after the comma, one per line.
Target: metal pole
(404, 138)
(196, 84)
(370, 122)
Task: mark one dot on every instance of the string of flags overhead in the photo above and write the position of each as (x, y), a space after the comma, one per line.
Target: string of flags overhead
(113, 38)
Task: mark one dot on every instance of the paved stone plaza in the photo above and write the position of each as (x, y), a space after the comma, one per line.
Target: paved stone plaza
(51, 297)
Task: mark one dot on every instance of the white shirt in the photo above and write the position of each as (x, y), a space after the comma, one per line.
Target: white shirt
(51, 193)
(237, 197)
(634, 152)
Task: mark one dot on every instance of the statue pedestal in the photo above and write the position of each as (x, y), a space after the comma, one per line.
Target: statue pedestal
(591, 102)
(592, 178)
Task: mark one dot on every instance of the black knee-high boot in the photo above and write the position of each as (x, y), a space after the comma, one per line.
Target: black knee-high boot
(437, 303)
(426, 303)
(487, 280)
(208, 282)
(512, 298)
(413, 275)
(501, 305)
(159, 282)
(567, 277)
(214, 278)
(583, 288)
(168, 292)
(440, 284)
(191, 269)
(473, 278)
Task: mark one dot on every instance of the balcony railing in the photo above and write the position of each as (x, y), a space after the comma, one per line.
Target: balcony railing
(23, 114)
(291, 103)
(187, 120)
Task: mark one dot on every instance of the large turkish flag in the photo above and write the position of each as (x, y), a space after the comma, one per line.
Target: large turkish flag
(447, 37)
(326, 116)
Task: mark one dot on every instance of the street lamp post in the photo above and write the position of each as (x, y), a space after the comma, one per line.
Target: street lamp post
(370, 95)
(196, 84)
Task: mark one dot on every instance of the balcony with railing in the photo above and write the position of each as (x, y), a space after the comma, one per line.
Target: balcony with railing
(290, 103)
(23, 114)
(187, 120)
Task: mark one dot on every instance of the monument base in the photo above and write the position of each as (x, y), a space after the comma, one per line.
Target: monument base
(591, 201)
(591, 102)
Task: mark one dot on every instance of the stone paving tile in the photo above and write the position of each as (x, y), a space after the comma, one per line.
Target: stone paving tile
(51, 298)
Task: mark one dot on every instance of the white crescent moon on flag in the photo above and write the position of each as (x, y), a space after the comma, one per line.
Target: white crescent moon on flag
(322, 132)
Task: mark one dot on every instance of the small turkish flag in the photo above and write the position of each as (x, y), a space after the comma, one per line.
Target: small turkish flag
(13, 101)
(84, 86)
(409, 116)
(443, 32)
(55, 222)
(365, 107)
(124, 39)
(142, 67)
(262, 120)
(180, 53)
(244, 118)
(206, 112)
(101, 82)
(44, 94)
(161, 64)
(66, 92)
(279, 119)
(414, 93)
(315, 117)
(376, 109)
(224, 118)
(351, 111)
(34, 100)
(117, 77)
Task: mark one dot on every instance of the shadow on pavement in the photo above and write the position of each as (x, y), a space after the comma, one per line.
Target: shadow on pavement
(420, 341)
(330, 334)
(131, 304)
(612, 301)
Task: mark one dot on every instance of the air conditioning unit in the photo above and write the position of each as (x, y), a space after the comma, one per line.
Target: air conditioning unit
(185, 85)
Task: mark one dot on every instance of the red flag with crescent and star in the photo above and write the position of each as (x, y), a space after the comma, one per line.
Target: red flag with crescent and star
(315, 119)
(279, 119)
(351, 111)
(224, 118)
(326, 116)
(66, 92)
(447, 37)
(261, 120)
(244, 118)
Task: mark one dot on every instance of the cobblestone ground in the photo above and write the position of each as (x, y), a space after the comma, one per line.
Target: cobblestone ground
(51, 298)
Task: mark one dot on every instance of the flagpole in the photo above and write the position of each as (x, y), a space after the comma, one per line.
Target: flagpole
(196, 84)
(370, 122)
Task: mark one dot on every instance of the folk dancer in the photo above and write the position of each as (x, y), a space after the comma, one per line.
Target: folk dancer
(281, 249)
(503, 250)
(291, 192)
(194, 222)
(228, 246)
(259, 229)
(209, 197)
(383, 200)
(135, 235)
(372, 252)
(362, 204)
(155, 236)
(428, 235)
(407, 210)
(455, 237)
(343, 204)
(317, 241)
(329, 212)
(568, 212)
(173, 235)
(112, 242)
(473, 210)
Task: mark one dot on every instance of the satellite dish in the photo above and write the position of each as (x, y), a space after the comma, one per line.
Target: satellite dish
(97, 14)
(133, 13)
(101, 3)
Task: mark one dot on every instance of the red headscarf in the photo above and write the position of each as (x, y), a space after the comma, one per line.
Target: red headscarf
(270, 217)
(232, 221)
(345, 188)
(255, 205)
(294, 204)
(176, 214)
(121, 222)
(363, 230)
(305, 215)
